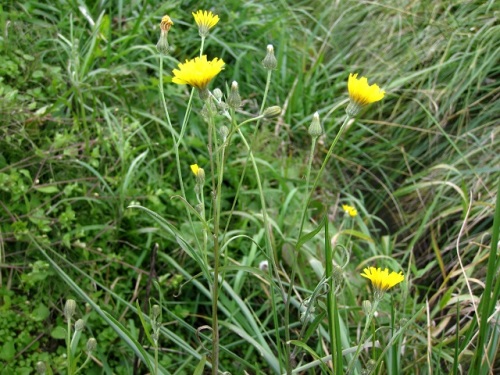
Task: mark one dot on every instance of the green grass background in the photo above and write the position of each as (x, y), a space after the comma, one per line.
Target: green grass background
(83, 135)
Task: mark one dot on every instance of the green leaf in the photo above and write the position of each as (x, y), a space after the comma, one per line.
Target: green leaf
(199, 369)
(47, 189)
(8, 351)
(41, 312)
(58, 333)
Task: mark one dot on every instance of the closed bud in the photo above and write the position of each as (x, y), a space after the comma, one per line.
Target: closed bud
(79, 325)
(234, 100)
(223, 131)
(155, 312)
(218, 94)
(270, 62)
(272, 112)
(367, 307)
(91, 345)
(162, 46)
(69, 309)
(41, 368)
(315, 129)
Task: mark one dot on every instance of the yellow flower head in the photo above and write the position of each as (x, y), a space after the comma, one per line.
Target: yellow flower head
(382, 280)
(350, 210)
(361, 93)
(197, 72)
(205, 21)
(166, 23)
(195, 169)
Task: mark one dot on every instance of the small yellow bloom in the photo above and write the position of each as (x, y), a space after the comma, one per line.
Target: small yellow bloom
(199, 173)
(195, 169)
(197, 72)
(350, 210)
(382, 280)
(166, 23)
(205, 21)
(361, 94)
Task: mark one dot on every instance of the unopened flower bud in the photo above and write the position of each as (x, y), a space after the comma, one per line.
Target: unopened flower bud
(272, 112)
(367, 307)
(162, 45)
(79, 325)
(218, 94)
(155, 312)
(315, 129)
(69, 308)
(234, 100)
(41, 368)
(223, 131)
(264, 265)
(91, 345)
(270, 62)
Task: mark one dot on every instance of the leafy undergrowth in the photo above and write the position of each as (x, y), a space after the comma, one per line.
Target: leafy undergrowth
(84, 135)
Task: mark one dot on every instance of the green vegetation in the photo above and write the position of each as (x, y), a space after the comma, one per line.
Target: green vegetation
(98, 202)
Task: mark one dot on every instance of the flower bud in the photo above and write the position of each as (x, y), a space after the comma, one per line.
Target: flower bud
(162, 46)
(69, 309)
(270, 62)
(155, 312)
(199, 173)
(91, 345)
(41, 368)
(234, 100)
(166, 23)
(218, 94)
(264, 265)
(315, 129)
(367, 307)
(272, 112)
(79, 325)
(223, 131)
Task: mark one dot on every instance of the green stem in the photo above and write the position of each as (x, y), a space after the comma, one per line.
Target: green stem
(215, 170)
(294, 265)
(68, 348)
(271, 253)
(363, 336)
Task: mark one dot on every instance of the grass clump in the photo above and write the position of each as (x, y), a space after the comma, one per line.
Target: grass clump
(197, 187)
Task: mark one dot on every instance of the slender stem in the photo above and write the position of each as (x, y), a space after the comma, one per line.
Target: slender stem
(294, 265)
(215, 169)
(363, 335)
(318, 176)
(68, 347)
(271, 253)
(177, 139)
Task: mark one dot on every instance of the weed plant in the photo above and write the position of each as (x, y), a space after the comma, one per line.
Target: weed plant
(224, 214)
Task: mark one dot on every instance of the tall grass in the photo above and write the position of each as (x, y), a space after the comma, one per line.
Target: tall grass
(84, 135)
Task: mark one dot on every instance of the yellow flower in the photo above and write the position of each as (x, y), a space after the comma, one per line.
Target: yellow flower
(382, 280)
(195, 169)
(361, 94)
(166, 23)
(199, 173)
(350, 210)
(205, 21)
(197, 72)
